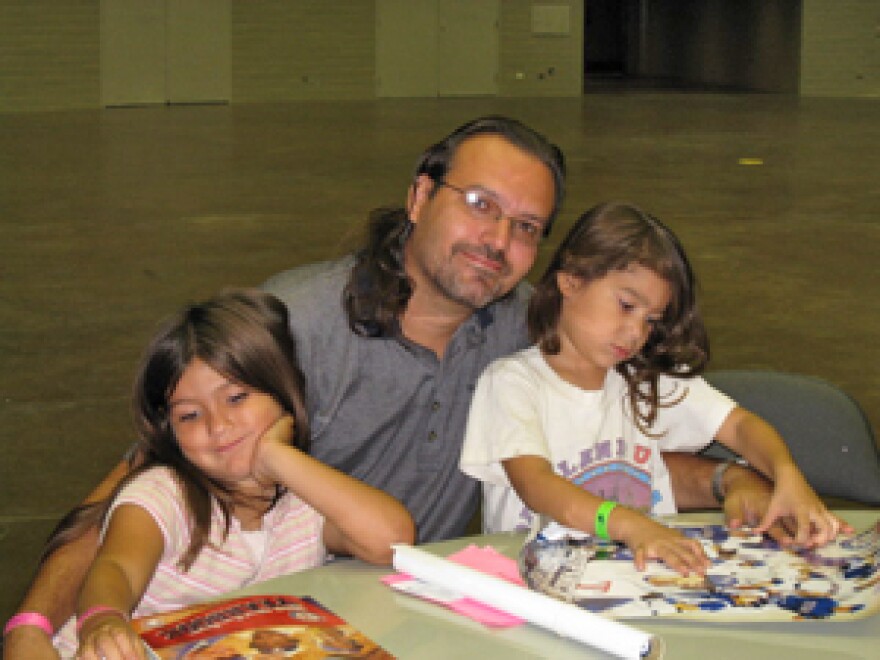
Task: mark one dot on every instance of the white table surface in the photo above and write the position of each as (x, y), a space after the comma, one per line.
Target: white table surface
(411, 628)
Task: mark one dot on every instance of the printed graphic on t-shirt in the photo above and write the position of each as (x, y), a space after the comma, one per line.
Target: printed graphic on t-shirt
(613, 470)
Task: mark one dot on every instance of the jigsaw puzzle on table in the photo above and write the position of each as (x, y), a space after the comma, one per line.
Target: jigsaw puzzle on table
(751, 578)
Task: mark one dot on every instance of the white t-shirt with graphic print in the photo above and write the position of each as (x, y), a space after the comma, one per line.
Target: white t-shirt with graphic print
(522, 407)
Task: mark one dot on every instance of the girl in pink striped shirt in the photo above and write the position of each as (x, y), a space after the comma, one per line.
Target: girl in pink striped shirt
(225, 494)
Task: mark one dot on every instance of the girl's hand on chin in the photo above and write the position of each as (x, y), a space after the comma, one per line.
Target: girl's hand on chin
(278, 436)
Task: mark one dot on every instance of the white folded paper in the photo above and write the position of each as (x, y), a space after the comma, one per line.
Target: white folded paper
(562, 618)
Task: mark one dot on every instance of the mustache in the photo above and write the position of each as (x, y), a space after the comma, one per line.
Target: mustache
(486, 252)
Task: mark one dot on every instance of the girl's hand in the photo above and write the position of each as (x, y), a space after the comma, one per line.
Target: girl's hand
(277, 437)
(798, 507)
(108, 636)
(648, 539)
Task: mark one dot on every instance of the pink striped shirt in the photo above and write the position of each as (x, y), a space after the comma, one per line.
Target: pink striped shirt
(294, 542)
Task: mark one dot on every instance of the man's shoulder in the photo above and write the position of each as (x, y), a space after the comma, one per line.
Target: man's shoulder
(310, 283)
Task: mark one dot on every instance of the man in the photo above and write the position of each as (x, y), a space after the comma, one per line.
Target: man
(392, 340)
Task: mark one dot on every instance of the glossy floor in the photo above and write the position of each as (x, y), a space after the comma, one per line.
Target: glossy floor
(109, 220)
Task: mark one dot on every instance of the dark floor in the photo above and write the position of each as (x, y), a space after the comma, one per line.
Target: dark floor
(110, 220)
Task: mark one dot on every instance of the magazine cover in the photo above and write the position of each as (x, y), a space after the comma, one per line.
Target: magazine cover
(751, 577)
(259, 627)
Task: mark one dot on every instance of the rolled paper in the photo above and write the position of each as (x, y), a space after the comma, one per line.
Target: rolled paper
(562, 618)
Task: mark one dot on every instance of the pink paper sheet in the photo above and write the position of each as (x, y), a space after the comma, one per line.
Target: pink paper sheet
(487, 560)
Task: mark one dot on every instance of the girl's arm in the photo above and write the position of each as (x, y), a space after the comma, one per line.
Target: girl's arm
(359, 520)
(550, 494)
(54, 589)
(116, 580)
(793, 502)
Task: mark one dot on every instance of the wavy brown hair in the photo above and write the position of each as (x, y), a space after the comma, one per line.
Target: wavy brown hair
(611, 237)
(242, 334)
(379, 289)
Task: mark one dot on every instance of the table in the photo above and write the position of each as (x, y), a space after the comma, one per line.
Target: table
(414, 629)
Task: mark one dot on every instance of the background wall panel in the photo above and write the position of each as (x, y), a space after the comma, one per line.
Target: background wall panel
(48, 54)
(840, 48)
(540, 64)
(308, 49)
(406, 48)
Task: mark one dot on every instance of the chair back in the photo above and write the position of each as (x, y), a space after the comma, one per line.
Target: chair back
(826, 431)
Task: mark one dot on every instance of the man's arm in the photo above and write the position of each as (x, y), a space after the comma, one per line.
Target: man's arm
(54, 590)
(691, 478)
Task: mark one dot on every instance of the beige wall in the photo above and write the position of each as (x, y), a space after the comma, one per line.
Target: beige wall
(320, 49)
(840, 48)
(282, 50)
(540, 64)
(285, 50)
(49, 54)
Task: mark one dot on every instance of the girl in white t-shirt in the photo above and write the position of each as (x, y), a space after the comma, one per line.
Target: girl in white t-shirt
(225, 494)
(573, 428)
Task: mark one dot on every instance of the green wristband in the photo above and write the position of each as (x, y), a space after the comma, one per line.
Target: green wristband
(603, 513)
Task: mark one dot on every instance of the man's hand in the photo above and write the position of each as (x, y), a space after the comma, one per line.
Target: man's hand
(747, 495)
(747, 498)
(750, 502)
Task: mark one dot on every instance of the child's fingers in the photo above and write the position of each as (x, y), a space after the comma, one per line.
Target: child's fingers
(690, 558)
(778, 531)
(802, 528)
(280, 434)
(843, 527)
(803, 534)
(772, 517)
(684, 556)
(112, 642)
(640, 559)
(827, 527)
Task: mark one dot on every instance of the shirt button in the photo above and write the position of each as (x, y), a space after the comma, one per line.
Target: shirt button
(432, 436)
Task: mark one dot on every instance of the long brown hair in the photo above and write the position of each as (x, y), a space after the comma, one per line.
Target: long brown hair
(610, 237)
(379, 289)
(242, 334)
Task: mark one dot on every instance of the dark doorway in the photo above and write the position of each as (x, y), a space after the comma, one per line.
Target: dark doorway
(604, 39)
(612, 40)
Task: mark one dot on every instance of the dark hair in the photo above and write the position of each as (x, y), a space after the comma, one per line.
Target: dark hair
(242, 334)
(610, 237)
(379, 288)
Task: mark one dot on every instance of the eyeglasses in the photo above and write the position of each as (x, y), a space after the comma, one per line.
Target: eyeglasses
(483, 206)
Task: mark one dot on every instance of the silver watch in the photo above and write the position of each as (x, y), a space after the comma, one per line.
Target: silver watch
(718, 478)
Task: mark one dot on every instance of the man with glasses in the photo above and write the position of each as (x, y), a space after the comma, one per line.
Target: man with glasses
(392, 339)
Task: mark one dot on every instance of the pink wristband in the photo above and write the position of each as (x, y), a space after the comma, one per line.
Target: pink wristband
(29, 619)
(95, 611)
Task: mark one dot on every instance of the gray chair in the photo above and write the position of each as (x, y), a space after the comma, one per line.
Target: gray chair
(828, 434)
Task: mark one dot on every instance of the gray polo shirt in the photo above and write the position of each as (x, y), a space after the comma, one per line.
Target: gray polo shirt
(386, 410)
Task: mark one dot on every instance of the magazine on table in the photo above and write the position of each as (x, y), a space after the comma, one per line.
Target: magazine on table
(266, 626)
(751, 577)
